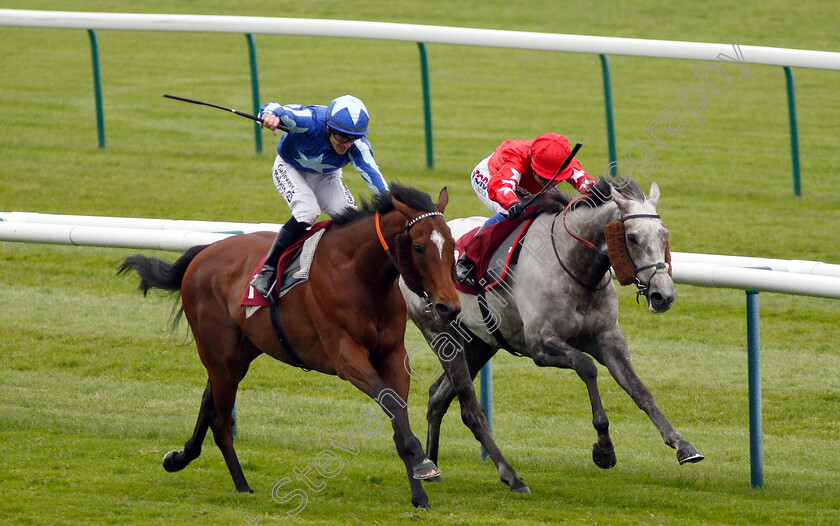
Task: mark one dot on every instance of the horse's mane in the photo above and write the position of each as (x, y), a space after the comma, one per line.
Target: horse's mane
(554, 200)
(382, 203)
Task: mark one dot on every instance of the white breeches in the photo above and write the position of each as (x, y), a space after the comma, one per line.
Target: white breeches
(308, 194)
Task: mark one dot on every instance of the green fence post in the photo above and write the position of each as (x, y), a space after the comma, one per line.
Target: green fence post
(754, 379)
(255, 90)
(97, 88)
(794, 134)
(608, 104)
(427, 104)
(487, 398)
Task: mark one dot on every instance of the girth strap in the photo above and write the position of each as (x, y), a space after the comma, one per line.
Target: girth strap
(490, 323)
(278, 331)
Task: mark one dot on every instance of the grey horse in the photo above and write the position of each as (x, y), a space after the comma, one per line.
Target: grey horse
(558, 306)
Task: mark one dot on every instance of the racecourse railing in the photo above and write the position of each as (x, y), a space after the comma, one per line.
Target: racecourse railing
(602, 46)
(800, 277)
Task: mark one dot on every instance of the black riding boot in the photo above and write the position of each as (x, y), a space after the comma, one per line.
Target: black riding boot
(465, 270)
(291, 232)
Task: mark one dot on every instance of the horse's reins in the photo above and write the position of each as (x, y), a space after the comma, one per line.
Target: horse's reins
(408, 224)
(642, 288)
(588, 244)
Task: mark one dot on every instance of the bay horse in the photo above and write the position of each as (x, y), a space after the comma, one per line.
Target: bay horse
(348, 319)
(559, 307)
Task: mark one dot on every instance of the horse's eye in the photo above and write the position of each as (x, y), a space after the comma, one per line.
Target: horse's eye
(633, 239)
(418, 249)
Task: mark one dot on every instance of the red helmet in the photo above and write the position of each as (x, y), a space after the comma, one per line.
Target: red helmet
(548, 151)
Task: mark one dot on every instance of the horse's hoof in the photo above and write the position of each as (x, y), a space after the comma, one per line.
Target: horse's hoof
(604, 459)
(520, 487)
(434, 479)
(246, 489)
(688, 453)
(423, 504)
(171, 463)
(425, 470)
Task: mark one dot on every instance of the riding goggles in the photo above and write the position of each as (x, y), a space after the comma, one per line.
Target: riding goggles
(344, 137)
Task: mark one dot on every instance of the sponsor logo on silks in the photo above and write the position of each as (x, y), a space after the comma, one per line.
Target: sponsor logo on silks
(480, 181)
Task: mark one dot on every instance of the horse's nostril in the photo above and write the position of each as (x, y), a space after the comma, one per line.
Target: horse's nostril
(445, 313)
(660, 301)
(657, 298)
(442, 310)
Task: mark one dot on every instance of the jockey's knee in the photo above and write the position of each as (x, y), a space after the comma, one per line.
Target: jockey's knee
(306, 213)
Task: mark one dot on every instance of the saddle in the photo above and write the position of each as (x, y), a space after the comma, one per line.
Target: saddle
(493, 249)
(292, 267)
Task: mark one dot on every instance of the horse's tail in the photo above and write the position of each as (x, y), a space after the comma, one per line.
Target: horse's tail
(158, 274)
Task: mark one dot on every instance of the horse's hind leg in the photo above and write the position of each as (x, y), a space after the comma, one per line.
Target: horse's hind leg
(225, 384)
(178, 460)
(472, 414)
(441, 394)
(226, 356)
(554, 352)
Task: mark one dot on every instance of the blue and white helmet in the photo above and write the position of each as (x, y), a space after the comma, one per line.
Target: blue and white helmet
(348, 115)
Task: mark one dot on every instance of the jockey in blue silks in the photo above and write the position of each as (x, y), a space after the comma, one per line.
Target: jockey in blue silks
(307, 170)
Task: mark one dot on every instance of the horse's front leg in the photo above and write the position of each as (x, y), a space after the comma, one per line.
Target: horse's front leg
(551, 351)
(395, 375)
(612, 351)
(388, 385)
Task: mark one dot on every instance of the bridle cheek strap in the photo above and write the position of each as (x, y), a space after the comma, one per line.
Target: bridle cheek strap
(403, 260)
(407, 271)
(382, 240)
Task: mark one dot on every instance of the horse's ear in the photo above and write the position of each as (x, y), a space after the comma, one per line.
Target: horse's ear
(653, 195)
(443, 200)
(621, 201)
(404, 209)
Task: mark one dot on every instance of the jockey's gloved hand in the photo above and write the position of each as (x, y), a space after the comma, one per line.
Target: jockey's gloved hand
(515, 210)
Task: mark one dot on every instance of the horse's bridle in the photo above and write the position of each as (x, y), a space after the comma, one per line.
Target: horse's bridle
(642, 289)
(415, 287)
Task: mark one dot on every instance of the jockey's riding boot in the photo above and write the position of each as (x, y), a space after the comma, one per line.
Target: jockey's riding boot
(465, 270)
(263, 282)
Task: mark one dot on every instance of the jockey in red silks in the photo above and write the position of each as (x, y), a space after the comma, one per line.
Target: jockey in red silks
(518, 169)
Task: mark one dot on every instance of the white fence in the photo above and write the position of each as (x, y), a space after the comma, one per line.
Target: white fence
(418, 33)
(801, 277)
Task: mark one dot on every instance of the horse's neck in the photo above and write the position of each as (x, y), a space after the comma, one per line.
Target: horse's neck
(583, 262)
(370, 261)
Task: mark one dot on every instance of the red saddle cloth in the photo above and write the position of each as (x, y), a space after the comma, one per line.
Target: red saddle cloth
(251, 297)
(496, 245)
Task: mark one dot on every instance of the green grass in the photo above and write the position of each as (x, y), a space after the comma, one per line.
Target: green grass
(93, 392)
